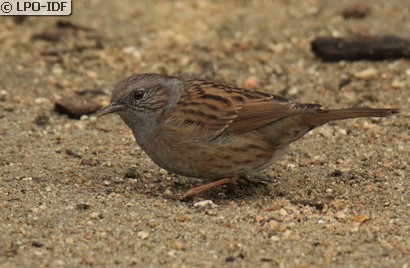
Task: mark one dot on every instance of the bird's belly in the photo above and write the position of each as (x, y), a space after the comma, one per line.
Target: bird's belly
(227, 158)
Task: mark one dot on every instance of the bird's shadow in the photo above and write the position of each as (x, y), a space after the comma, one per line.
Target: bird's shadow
(239, 190)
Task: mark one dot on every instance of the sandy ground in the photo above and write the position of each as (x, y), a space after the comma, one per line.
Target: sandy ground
(81, 192)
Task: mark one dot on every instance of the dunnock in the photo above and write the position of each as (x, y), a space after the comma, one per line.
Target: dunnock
(207, 129)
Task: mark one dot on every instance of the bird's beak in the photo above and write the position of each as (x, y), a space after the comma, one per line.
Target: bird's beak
(113, 107)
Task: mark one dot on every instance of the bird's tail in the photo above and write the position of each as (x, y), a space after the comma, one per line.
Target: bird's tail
(320, 117)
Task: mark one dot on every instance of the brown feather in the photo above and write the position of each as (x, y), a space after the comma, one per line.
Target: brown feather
(323, 116)
(255, 114)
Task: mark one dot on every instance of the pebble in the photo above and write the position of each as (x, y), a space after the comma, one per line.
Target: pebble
(42, 120)
(283, 212)
(95, 215)
(362, 218)
(355, 11)
(41, 100)
(251, 82)
(93, 75)
(90, 162)
(168, 192)
(368, 126)
(178, 245)
(342, 131)
(3, 95)
(274, 225)
(172, 253)
(278, 48)
(326, 131)
(133, 51)
(274, 238)
(76, 106)
(366, 74)
(57, 71)
(143, 234)
(293, 91)
(340, 215)
(205, 203)
(117, 180)
(258, 219)
(398, 84)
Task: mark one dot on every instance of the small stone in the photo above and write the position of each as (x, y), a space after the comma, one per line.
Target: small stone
(82, 206)
(344, 80)
(362, 218)
(42, 120)
(342, 131)
(210, 212)
(117, 180)
(274, 238)
(133, 51)
(3, 95)
(290, 166)
(92, 118)
(143, 234)
(398, 84)
(277, 48)
(293, 91)
(57, 71)
(92, 75)
(320, 221)
(76, 106)
(274, 225)
(96, 215)
(283, 212)
(41, 100)
(258, 219)
(90, 162)
(368, 126)
(356, 11)
(366, 74)
(287, 233)
(340, 215)
(131, 173)
(172, 253)
(178, 245)
(251, 82)
(274, 207)
(336, 173)
(168, 193)
(326, 131)
(205, 203)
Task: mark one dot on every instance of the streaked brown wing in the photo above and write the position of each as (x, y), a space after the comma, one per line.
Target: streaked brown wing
(260, 112)
(223, 108)
(207, 105)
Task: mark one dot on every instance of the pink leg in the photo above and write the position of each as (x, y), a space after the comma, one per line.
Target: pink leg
(202, 188)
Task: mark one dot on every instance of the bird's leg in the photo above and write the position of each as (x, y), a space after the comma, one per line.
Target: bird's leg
(202, 188)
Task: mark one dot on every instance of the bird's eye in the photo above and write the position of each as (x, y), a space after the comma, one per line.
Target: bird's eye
(138, 95)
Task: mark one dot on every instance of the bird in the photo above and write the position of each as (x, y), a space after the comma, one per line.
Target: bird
(215, 130)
